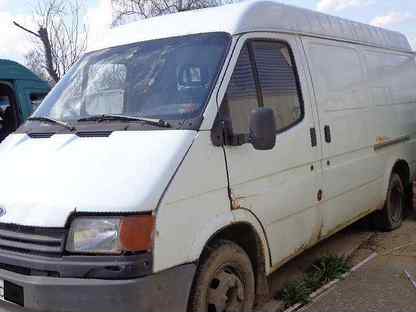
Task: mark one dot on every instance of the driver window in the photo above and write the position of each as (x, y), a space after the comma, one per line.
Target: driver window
(241, 97)
(277, 80)
(264, 76)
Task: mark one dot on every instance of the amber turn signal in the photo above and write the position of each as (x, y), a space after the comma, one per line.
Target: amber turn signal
(137, 233)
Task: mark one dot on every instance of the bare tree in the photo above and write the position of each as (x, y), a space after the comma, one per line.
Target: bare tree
(137, 9)
(33, 61)
(60, 37)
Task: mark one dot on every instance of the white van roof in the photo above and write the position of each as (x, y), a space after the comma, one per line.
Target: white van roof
(249, 16)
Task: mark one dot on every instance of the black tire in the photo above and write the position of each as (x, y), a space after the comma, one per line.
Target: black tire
(224, 281)
(391, 217)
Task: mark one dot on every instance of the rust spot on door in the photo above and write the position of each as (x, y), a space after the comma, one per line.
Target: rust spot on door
(235, 202)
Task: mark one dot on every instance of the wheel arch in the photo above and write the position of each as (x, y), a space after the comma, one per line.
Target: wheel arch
(247, 232)
(402, 168)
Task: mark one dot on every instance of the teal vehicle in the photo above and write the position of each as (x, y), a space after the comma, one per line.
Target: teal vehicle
(21, 91)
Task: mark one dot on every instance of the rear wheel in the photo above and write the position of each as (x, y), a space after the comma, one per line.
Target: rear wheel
(224, 282)
(391, 217)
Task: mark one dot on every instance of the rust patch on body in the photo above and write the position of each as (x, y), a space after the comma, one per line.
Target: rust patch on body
(381, 139)
(236, 200)
(316, 234)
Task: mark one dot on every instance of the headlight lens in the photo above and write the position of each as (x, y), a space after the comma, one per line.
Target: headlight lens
(111, 235)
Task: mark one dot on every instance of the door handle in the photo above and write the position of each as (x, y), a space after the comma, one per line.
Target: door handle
(327, 132)
(314, 141)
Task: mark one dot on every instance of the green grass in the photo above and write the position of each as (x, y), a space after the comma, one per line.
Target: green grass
(329, 268)
(295, 292)
(322, 271)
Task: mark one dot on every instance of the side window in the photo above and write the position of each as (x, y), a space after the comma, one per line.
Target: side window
(264, 76)
(4, 103)
(36, 99)
(277, 79)
(241, 96)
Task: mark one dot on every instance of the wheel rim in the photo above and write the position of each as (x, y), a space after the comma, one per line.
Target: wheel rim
(225, 292)
(396, 203)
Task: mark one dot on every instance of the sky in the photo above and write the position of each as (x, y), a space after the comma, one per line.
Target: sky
(397, 15)
(15, 43)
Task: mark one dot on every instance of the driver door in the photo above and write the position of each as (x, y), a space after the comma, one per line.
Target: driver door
(279, 186)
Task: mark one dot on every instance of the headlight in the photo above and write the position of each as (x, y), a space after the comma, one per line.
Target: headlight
(111, 235)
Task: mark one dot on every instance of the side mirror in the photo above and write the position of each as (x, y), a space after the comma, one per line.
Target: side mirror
(263, 129)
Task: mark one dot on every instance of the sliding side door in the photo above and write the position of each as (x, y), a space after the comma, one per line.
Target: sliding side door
(351, 172)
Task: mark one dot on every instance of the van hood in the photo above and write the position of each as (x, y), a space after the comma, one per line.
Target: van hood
(44, 180)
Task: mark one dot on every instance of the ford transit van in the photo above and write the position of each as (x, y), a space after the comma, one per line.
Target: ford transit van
(21, 92)
(185, 158)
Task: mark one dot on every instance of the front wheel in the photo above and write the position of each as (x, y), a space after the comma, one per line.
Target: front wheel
(224, 281)
(391, 217)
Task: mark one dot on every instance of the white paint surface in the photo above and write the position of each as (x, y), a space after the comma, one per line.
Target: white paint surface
(365, 94)
(249, 16)
(125, 172)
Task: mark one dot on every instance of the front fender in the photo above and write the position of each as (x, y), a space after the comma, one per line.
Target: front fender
(245, 216)
(205, 234)
(220, 223)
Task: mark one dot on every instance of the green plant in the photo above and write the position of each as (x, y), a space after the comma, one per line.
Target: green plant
(329, 268)
(295, 292)
(313, 280)
(322, 271)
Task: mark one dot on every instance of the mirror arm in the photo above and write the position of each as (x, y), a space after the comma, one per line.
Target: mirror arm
(218, 133)
(222, 135)
(238, 139)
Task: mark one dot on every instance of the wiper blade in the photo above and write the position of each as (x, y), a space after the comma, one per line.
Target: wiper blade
(52, 121)
(102, 117)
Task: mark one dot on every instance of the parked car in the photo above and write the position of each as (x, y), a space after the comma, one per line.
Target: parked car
(21, 91)
(185, 158)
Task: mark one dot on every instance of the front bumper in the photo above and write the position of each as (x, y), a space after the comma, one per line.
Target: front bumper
(165, 291)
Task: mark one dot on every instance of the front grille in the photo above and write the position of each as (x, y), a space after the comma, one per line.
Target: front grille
(32, 240)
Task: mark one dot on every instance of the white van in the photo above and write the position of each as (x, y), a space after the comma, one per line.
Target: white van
(187, 157)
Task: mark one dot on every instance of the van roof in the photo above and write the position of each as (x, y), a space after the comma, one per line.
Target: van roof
(10, 70)
(249, 16)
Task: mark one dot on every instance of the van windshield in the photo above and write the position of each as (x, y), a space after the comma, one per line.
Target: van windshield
(169, 79)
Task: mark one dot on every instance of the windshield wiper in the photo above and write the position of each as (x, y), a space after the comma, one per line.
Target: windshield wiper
(102, 117)
(52, 121)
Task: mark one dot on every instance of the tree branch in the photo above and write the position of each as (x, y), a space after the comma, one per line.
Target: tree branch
(27, 30)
